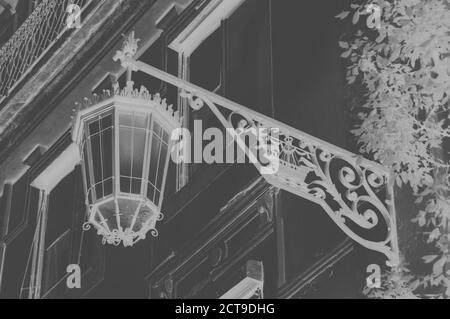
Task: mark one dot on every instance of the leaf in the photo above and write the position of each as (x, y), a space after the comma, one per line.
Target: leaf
(346, 54)
(438, 267)
(343, 15)
(403, 22)
(447, 292)
(343, 44)
(399, 181)
(429, 259)
(355, 17)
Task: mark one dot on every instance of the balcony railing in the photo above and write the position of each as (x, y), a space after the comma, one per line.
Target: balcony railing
(34, 38)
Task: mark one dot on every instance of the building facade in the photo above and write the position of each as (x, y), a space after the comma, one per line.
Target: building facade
(228, 231)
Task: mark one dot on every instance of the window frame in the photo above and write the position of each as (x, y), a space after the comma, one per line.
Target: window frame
(208, 21)
(46, 181)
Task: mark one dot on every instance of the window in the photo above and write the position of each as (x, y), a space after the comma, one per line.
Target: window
(15, 246)
(226, 50)
(201, 56)
(65, 241)
(59, 236)
(5, 207)
(15, 212)
(206, 63)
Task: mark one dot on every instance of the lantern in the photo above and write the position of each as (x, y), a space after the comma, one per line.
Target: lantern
(124, 142)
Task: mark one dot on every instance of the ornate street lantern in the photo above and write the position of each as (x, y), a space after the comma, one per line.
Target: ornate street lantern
(124, 142)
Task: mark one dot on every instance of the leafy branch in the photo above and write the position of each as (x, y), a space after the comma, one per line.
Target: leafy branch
(403, 68)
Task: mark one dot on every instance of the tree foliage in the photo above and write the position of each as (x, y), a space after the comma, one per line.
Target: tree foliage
(404, 69)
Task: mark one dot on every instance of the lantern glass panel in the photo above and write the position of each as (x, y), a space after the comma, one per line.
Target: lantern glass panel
(86, 172)
(98, 157)
(158, 162)
(133, 129)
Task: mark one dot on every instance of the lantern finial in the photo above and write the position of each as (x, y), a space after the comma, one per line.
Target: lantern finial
(128, 51)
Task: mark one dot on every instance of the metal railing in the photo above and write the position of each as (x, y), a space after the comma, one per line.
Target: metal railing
(34, 38)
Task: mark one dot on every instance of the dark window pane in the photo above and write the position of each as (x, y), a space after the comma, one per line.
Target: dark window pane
(18, 204)
(96, 158)
(172, 68)
(161, 166)
(125, 184)
(87, 168)
(136, 186)
(99, 190)
(86, 164)
(61, 208)
(154, 57)
(166, 137)
(107, 148)
(140, 137)
(94, 128)
(108, 187)
(126, 151)
(150, 192)
(157, 195)
(57, 257)
(106, 122)
(206, 62)
(88, 249)
(155, 149)
(248, 70)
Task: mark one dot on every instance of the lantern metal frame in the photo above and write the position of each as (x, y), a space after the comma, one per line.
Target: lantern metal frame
(134, 103)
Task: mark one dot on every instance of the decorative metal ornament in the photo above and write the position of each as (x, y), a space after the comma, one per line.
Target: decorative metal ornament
(356, 193)
(124, 142)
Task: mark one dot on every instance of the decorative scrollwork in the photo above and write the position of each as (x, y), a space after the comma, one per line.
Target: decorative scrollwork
(116, 236)
(242, 123)
(195, 101)
(154, 232)
(128, 51)
(355, 195)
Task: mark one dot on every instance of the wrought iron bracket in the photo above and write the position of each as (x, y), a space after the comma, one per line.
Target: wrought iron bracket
(356, 193)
